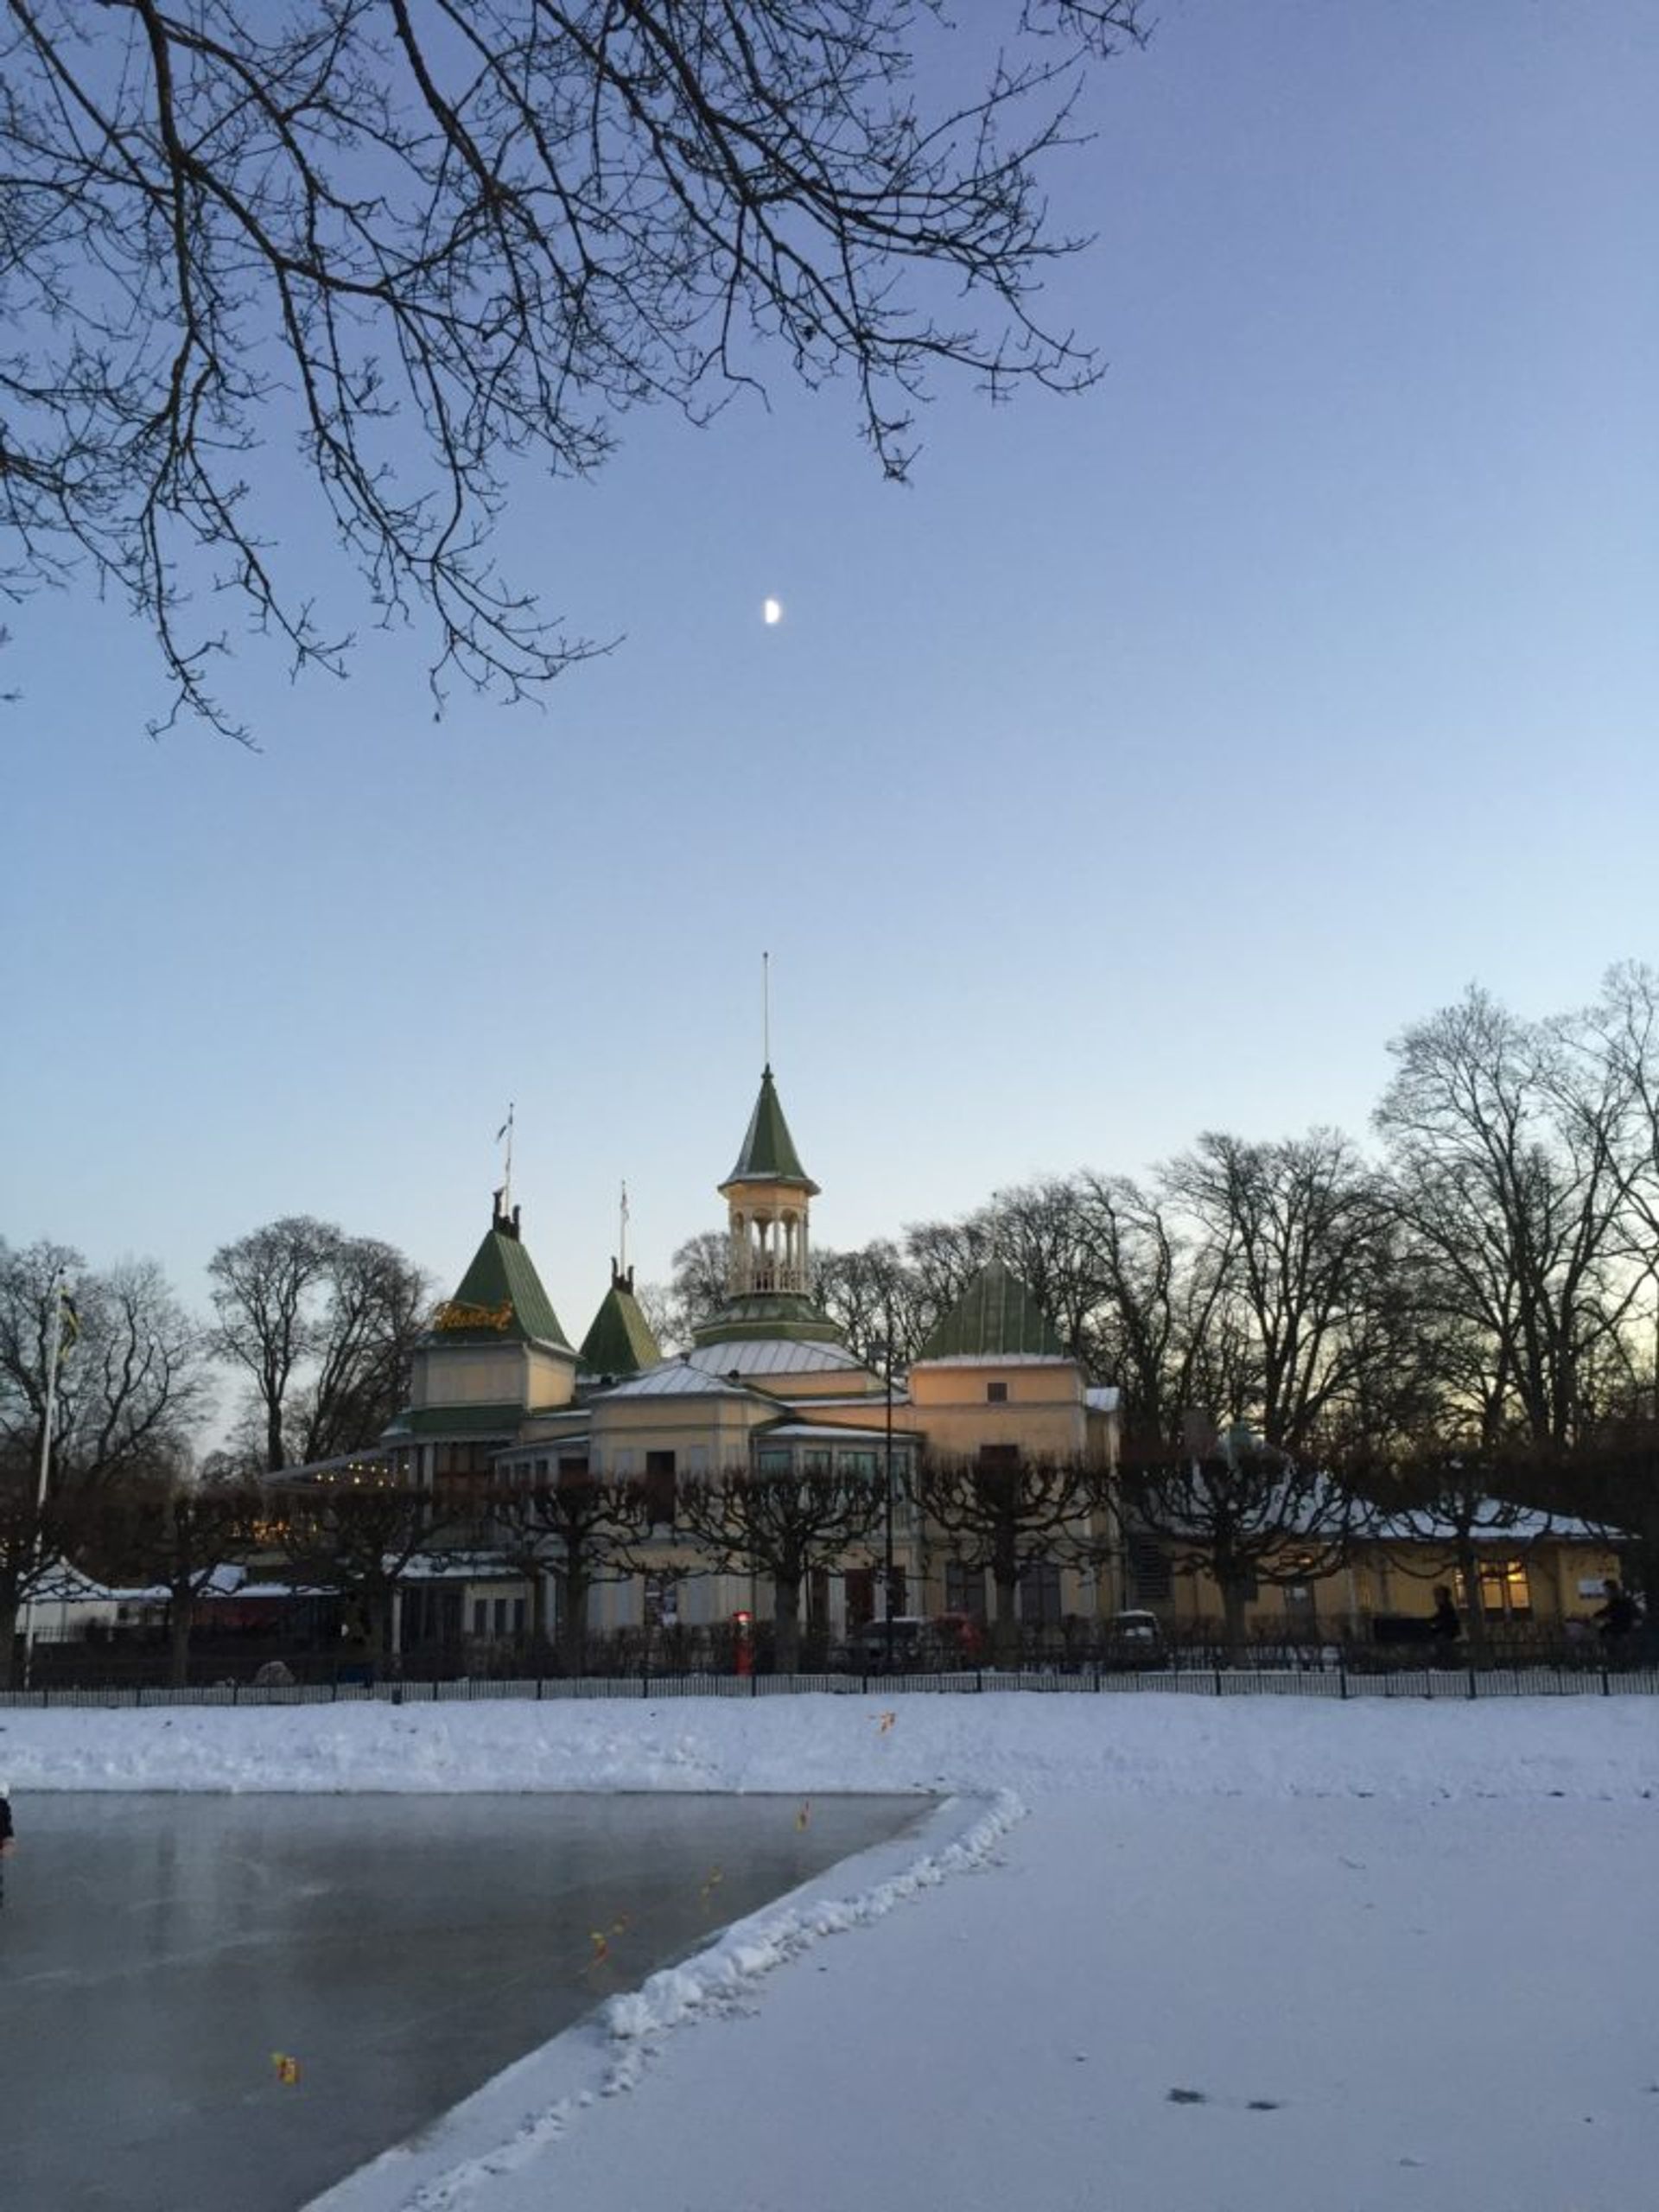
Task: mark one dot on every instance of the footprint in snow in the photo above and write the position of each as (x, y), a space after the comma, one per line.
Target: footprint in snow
(1203, 2097)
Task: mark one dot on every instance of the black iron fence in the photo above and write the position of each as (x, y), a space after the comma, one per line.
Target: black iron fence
(1331, 1679)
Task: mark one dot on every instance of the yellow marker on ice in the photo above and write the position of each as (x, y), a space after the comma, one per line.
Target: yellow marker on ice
(288, 2069)
(806, 1813)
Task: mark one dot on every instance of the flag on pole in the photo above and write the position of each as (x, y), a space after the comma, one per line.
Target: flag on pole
(505, 1127)
(68, 1325)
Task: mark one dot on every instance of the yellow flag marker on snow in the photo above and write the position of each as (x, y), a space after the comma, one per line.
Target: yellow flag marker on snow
(806, 1813)
(288, 2069)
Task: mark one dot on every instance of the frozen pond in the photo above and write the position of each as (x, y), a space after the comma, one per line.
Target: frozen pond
(159, 1955)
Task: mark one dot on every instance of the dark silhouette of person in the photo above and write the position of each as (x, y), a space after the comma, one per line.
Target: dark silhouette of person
(1443, 1625)
(1619, 1615)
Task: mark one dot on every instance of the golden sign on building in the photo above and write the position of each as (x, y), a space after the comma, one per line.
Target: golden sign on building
(454, 1314)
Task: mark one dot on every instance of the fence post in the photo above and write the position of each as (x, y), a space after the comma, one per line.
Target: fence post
(1473, 1689)
(1217, 1673)
(1606, 1680)
(1342, 1678)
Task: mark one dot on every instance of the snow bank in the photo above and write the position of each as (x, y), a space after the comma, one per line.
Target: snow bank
(1032, 1746)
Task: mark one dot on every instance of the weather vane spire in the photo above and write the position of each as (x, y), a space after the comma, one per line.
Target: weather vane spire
(765, 1009)
(505, 1133)
(622, 1233)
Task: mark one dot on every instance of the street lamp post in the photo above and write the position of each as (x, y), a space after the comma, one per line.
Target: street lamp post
(887, 1462)
(53, 1352)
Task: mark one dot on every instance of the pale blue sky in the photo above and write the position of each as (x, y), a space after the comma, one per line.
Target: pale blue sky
(1142, 768)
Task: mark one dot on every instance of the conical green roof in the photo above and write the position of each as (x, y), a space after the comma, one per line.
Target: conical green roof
(620, 1341)
(500, 1297)
(995, 1317)
(768, 1155)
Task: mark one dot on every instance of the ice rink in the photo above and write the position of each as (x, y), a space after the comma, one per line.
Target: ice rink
(161, 1955)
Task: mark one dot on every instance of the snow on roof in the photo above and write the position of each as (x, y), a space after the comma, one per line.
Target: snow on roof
(770, 1356)
(797, 1432)
(998, 1359)
(675, 1378)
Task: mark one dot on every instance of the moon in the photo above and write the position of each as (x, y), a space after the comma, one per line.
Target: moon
(771, 612)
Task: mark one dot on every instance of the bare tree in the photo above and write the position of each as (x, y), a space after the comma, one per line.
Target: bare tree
(323, 1324)
(1450, 1498)
(1005, 1513)
(1505, 1178)
(177, 1534)
(131, 1386)
(881, 1304)
(423, 238)
(359, 1538)
(781, 1527)
(581, 1527)
(698, 1288)
(1240, 1511)
(1298, 1230)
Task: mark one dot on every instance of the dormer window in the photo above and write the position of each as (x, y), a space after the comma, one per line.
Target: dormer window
(996, 1393)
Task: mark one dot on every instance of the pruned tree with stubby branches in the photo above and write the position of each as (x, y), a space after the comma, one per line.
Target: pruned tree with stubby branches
(781, 1527)
(1004, 1512)
(358, 1538)
(581, 1527)
(420, 240)
(1238, 1510)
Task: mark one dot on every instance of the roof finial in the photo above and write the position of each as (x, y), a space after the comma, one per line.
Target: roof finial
(504, 1201)
(765, 1012)
(622, 1234)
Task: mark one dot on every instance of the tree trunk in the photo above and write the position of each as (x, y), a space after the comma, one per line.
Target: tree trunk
(1474, 1610)
(377, 1620)
(9, 1612)
(180, 1615)
(786, 1622)
(1005, 1627)
(1233, 1602)
(573, 1617)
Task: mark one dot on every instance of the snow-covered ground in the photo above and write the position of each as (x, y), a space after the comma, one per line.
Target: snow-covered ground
(1166, 1954)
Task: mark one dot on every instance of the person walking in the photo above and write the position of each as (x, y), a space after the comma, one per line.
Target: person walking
(1443, 1625)
(8, 1833)
(1618, 1616)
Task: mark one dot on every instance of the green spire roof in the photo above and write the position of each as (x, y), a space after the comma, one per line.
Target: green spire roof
(768, 1155)
(620, 1341)
(995, 1317)
(500, 1297)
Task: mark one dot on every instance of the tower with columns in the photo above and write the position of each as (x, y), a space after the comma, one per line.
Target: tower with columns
(768, 1197)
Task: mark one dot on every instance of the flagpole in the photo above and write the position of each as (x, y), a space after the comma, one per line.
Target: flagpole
(622, 1235)
(53, 1344)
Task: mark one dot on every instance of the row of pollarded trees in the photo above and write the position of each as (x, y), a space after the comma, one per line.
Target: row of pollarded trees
(1228, 1507)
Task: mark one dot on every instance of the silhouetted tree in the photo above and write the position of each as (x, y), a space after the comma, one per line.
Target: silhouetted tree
(1004, 1512)
(1237, 1511)
(131, 1385)
(421, 239)
(781, 1527)
(324, 1324)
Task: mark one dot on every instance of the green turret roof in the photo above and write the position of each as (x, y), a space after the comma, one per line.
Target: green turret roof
(500, 1297)
(768, 1155)
(995, 1317)
(620, 1341)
